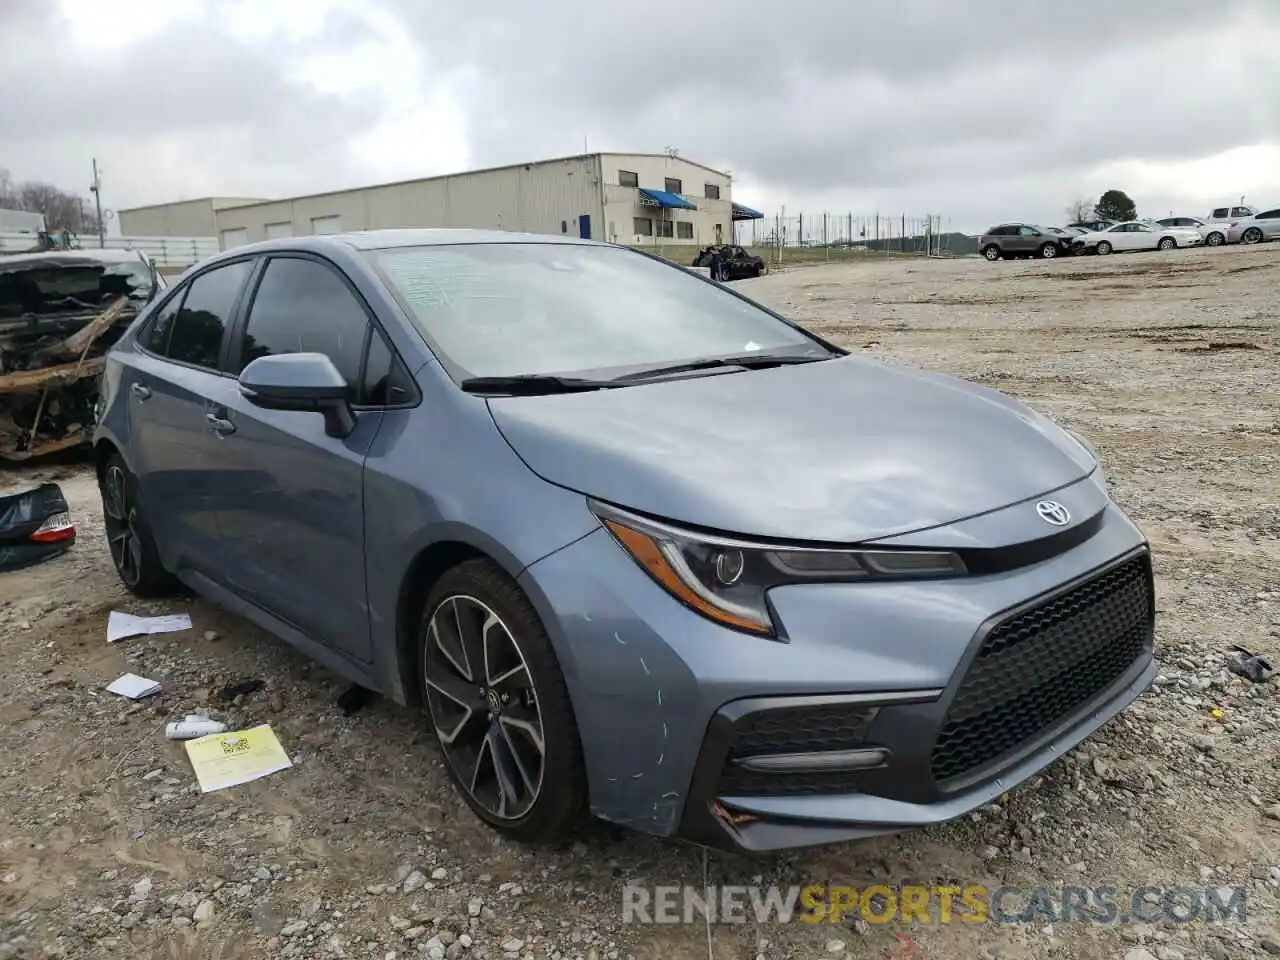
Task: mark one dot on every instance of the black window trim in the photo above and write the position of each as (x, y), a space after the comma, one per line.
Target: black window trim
(1273, 214)
(236, 341)
(179, 293)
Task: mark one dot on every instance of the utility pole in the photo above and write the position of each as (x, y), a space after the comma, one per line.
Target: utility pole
(96, 189)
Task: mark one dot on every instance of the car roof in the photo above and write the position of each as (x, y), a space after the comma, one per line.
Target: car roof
(392, 239)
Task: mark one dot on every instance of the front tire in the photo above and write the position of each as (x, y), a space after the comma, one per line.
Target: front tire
(499, 706)
(133, 549)
(1103, 248)
(1215, 239)
(991, 252)
(1049, 251)
(1252, 235)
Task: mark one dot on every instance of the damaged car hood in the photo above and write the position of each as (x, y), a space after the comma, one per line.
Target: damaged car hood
(841, 450)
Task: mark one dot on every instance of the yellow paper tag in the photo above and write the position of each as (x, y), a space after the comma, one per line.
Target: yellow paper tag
(224, 760)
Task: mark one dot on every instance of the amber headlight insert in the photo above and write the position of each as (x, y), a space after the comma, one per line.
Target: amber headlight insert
(726, 579)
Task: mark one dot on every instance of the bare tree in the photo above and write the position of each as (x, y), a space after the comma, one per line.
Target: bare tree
(62, 210)
(1079, 210)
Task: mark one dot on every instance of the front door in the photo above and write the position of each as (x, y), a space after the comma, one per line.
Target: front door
(296, 515)
(177, 456)
(584, 227)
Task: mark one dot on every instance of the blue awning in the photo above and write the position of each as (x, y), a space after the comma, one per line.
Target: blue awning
(660, 198)
(746, 213)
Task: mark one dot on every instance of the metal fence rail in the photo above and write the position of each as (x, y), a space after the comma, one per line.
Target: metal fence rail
(781, 234)
(167, 252)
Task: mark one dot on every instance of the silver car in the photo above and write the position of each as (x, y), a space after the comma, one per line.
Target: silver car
(1255, 229)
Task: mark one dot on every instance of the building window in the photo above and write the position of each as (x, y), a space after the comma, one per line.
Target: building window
(711, 191)
(644, 226)
(673, 185)
(628, 178)
(684, 230)
(665, 228)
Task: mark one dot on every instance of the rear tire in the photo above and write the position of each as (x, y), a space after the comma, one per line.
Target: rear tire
(1167, 243)
(991, 252)
(491, 746)
(133, 549)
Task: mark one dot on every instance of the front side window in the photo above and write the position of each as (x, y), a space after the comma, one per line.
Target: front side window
(504, 309)
(198, 326)
(302, 306)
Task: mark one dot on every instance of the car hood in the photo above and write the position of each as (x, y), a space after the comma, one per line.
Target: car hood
(838, 451)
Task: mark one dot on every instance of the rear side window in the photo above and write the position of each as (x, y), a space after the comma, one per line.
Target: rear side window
(193, 332)
(1270, 214)
(303, 306)
(1220, 212)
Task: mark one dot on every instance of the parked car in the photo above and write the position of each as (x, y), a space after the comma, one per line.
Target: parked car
(1218, 225)
(636, 544)
(1137, 235)
(1255, 229)
(1009, 240)
(739, 264)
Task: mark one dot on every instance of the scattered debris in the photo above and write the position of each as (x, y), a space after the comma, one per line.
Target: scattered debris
(133, 686)
(35, 526)
(1252, 666)
(356, 698)
(241, 688)
(121, 626)
(192, 727)
(60, 311)
(230, 759)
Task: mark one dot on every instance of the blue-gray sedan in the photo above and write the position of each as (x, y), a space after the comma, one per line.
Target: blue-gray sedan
(638, 546)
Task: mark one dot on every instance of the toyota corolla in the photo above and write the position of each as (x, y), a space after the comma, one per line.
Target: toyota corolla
(637, 546)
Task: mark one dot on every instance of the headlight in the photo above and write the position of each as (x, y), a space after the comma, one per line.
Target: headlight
(726, 580)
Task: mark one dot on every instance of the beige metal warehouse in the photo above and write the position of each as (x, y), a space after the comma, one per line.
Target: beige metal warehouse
(624, 198)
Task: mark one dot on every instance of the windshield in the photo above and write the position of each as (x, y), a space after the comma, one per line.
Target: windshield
(509, 309)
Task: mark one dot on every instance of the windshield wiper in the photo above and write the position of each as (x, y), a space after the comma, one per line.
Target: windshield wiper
(532, 384)
(756, 361)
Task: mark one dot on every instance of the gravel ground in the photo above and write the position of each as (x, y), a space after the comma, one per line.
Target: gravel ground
(1168, 362)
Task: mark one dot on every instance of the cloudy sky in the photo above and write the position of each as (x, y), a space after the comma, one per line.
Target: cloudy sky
(978, 111)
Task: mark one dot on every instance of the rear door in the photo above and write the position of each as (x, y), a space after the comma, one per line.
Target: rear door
(296, 519)
(176, 457)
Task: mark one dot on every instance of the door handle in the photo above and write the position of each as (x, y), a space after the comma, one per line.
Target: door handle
(219, 425)
(141, 391)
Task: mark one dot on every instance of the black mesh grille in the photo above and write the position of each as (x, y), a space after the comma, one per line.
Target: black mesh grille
(800, 729)
(1043, 665)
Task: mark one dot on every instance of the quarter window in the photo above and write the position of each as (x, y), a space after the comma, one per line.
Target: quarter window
(304, 307)
(198, 326)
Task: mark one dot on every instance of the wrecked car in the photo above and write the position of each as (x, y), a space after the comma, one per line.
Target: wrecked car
(35, 526)
(738, 263)
(60, 311)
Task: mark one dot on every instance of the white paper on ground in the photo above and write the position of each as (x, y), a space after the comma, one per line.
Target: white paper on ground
(122, 625)
(133, 686)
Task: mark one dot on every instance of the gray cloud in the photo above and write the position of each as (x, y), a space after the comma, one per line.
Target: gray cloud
(977, 110)
(188, 112)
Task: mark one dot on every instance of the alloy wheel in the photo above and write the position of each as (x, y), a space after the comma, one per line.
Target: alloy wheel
(1252, 235)
(1104, 248)
(992, 253)
(1214, 240)
(1168, 243)
(484, 705)
(1049, 251)
(120, 517)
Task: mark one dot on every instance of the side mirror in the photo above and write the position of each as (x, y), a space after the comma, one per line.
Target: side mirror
(300, 381)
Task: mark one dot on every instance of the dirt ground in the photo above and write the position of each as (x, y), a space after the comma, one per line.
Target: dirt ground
(1167, 362)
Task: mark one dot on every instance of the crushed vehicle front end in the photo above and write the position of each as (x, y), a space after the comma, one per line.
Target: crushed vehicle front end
(60, 311)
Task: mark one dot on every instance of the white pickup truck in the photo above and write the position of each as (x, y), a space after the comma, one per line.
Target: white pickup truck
(1217, 225)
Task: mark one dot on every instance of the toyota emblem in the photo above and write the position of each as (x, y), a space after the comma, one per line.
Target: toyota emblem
(1051, 511)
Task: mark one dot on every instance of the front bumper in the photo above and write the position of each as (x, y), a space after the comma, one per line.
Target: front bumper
(665, 700)
(786, 772)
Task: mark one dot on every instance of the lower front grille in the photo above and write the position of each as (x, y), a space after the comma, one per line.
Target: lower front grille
(809, 728)
(1042, 665)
